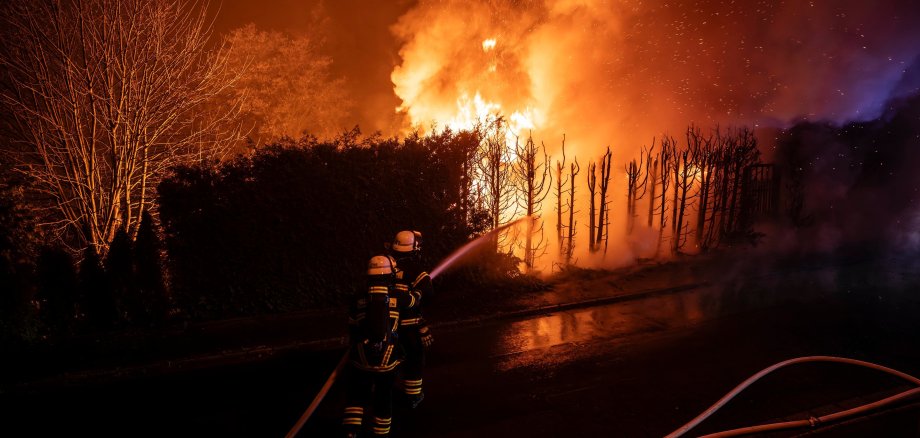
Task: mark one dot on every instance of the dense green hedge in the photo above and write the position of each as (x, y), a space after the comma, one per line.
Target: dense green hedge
(292, 226)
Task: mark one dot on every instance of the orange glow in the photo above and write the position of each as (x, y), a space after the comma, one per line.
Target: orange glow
(483, 94)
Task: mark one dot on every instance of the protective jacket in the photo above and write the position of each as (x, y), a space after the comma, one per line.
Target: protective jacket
(373, 321)
(413, 282)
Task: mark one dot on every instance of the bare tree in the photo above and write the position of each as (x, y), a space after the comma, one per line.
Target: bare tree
(685, 174)
(592, 194)
(574, 169)
(637, 185)
(532, 180)
(496, 175)
(721, 159)
(742, 152)
(665, 156)
(603, 221)
(566, 232)
(714, 193)
(467, 150)
(702, 148)
(561, 181)
(652, 172)
(104, 96)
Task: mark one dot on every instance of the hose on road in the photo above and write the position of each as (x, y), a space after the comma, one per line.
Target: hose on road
(810, 422)
(443, 265)
(319, 397)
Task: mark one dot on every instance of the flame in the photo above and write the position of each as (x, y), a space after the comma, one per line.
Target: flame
(488, 90)
(466, 64)
(471, 113)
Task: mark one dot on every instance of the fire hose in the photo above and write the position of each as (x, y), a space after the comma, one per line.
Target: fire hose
(443, 265)
(809, 422)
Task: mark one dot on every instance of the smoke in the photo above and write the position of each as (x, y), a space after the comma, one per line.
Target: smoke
(620, 72)
(859, 181)
(606, 71)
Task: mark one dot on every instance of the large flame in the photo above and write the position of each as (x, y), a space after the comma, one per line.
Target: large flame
(467, 64)
(621, 72)
(476, 112)
(485, 94)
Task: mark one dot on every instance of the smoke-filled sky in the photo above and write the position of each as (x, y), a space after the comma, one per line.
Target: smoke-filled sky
(615, 72)
(607, 71)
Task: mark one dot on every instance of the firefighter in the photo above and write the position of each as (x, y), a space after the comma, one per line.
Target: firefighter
(374, 351)
(414, 334)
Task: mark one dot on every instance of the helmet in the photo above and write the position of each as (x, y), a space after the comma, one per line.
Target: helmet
(407, 241)
(381, 265)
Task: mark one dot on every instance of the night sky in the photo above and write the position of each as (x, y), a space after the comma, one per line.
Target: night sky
(609, 71)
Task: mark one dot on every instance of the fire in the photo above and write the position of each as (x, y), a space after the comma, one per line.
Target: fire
(476, 112)
(472, 112)
(486, 88)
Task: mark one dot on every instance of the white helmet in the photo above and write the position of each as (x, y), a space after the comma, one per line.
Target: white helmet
(407, 241)
(381, 265)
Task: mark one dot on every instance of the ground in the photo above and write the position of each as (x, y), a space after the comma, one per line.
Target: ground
(640, 366)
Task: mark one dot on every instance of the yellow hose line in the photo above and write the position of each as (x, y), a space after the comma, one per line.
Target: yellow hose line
(319, 397)
(801, 423)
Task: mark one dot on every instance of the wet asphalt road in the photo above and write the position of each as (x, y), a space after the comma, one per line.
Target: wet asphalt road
(639, 368)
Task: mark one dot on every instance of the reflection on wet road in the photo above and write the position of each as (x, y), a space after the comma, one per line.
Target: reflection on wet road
(642, 367)
(613, 320)
(633, 368)
(530, 341)
(617, 320)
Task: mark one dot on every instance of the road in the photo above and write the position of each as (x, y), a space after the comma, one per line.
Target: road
(637, 368)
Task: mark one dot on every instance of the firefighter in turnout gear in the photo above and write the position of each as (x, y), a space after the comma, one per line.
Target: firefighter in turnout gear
(374, 351)
(414, 334)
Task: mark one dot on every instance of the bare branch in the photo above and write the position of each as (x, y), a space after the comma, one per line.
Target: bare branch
(105, 96)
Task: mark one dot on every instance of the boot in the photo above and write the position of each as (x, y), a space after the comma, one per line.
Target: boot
(415, 400)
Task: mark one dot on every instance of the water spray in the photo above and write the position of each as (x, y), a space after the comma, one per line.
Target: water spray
(448, 261)
(470, 246)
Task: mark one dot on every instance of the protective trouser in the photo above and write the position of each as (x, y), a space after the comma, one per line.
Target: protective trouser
(368, 389)
(410, 371)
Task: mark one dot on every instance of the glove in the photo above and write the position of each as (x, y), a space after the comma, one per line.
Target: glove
(427, 338)
(376, 347)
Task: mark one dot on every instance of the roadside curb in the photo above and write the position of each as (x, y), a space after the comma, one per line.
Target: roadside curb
(262, 352)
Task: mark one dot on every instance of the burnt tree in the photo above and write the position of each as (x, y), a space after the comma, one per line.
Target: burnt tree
(603, 219)
(685, 174)
(532, 180)
(496, 176)
(592, 194)
(561, 180)
(742, 152)
(664, 160)
(652, 172)
(637, 186)
(702, 148)
(574, 169)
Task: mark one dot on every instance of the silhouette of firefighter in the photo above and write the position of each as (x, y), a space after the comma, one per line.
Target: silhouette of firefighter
(415, 337)
(374, 351)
